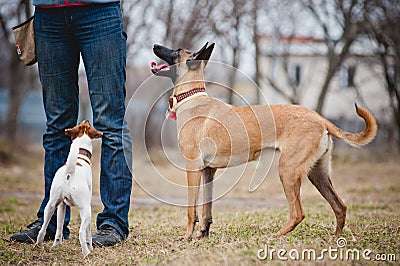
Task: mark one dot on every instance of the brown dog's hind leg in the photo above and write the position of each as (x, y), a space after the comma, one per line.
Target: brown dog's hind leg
(193, 178)
(208, 176)
(291, 185)
(294, 163)
(320, 178)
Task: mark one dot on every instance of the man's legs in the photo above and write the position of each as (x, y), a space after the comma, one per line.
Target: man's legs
(103, 48)
(58, 61)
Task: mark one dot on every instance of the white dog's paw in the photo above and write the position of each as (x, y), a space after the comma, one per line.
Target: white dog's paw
(85, 252)
(39, 245)
(57, 242)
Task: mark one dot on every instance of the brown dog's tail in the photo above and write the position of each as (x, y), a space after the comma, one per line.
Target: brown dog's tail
(356, 139)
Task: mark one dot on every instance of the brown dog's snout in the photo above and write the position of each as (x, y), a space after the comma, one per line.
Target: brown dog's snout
(156, 46)
(164, 53)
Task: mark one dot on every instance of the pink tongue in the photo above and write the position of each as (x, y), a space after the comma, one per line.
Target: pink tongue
(158, 68)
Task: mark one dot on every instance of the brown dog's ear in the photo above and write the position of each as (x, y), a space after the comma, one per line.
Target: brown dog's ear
(204, 53)
(201, 50)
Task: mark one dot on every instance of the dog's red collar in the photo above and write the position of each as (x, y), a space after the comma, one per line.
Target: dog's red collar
(175, 99)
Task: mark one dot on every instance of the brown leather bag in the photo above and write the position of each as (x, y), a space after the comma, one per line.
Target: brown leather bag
(24, 36)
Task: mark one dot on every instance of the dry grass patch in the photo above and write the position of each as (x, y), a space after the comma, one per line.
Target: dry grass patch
(241, 228)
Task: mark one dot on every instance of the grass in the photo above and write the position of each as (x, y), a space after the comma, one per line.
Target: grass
(235, 238)
(240, 231)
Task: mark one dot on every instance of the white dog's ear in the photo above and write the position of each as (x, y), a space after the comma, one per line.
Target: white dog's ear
(94, 134)
(72, 132)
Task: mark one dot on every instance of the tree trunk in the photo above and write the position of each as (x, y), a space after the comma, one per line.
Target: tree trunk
(19, 74)
(398, 126)
(232, 75)
(257, 51)
(324, 90)
(335, 61)
(17, 89)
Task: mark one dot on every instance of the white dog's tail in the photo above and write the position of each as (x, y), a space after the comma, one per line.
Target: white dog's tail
(72, 157)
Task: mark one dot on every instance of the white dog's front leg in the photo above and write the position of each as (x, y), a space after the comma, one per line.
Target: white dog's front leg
(89, 235)
(60, 224)
(48, 212)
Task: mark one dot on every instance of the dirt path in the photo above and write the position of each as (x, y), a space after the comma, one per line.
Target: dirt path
(148, 201)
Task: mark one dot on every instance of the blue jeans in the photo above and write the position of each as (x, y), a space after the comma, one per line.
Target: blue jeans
(96, 33)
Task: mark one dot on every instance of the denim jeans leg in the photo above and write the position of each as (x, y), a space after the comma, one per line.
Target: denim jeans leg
(103, 49)
(58, 61)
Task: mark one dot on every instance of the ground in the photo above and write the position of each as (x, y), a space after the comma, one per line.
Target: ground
(243, 232)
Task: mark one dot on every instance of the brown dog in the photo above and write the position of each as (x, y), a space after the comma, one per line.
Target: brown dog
(212, 134)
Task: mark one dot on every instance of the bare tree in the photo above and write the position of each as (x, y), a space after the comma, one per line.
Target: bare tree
(281, 16)
(185, 22)
(20, 76)
(228, 25)
(174, 23)
(382, 21)
(257, 49)
(139, 25)
(292, 93)
(345, 16)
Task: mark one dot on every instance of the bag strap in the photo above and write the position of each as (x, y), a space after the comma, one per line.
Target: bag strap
(23, 23)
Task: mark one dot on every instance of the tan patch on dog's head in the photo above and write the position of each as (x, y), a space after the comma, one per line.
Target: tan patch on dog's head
(83, 128)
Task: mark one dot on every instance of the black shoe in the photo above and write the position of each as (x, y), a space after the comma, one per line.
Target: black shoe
(106, 236)
(29, 236)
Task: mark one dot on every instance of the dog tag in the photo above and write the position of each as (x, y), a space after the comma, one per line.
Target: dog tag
(19, 52)
(170, 114)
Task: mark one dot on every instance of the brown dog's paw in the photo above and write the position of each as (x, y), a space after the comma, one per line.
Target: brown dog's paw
(203, 234)
(184, 238)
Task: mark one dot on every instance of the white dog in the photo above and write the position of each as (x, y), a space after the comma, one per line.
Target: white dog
(72, 185)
